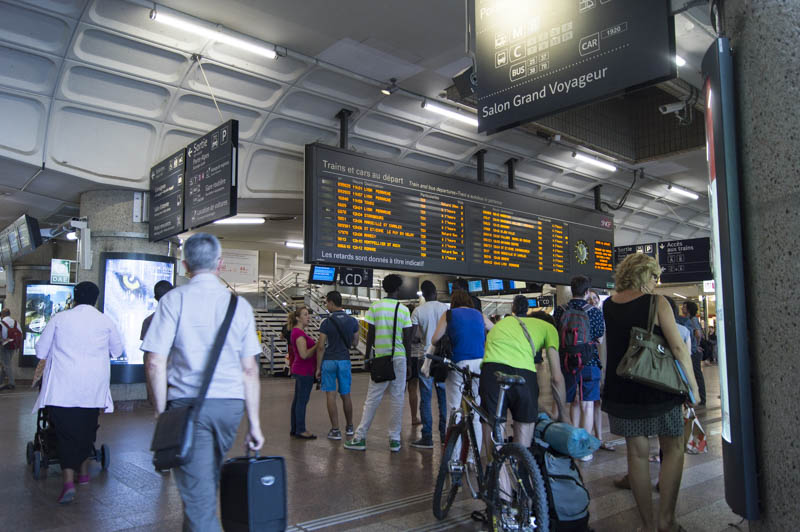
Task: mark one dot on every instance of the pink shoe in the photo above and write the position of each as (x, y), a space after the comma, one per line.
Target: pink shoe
(67, 494)
(83, 480)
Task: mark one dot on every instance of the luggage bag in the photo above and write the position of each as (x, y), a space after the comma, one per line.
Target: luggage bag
(253, 494)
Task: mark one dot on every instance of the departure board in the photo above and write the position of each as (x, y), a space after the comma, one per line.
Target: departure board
(366, 212)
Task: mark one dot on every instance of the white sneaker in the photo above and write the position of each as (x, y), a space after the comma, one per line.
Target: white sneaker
(587, 458)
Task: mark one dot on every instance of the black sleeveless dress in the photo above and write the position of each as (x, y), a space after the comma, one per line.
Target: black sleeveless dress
(635, 409)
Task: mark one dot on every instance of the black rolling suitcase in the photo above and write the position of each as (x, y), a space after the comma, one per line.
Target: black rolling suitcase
(253, 494)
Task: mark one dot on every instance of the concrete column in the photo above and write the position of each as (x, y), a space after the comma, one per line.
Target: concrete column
(110, 217)
(765, 35)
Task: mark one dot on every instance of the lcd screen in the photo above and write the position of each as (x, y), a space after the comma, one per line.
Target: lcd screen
(476, 286)
(518, 285)
(533, 303)
(128, 298)
(449, 288)
(495, 285)
(42, 301)
(322, 275)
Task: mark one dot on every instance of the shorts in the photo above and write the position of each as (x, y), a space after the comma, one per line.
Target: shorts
(521, 399)
(336, 370)
(591, 384)
(413, 368)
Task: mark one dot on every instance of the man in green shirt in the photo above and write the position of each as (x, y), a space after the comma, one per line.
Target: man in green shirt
(390, 334)
(510, 350)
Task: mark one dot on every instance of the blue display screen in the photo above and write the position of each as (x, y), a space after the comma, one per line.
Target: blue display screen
(476, 286)
(495, 285)
(533, 303)
(449, 288)
(323, 274)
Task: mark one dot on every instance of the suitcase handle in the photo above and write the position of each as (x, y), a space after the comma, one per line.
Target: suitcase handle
(251, 454)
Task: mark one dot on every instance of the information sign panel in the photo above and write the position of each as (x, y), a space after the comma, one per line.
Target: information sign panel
(685, 261)
(536, 57)
(620, 252)
(166, 196)
(211, 176)
(362, 211)
(359, 277)
(59, 271)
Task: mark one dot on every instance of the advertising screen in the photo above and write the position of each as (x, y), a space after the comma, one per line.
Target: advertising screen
(322, 275)
(127, 295)
(475, 286)
(42, 301)
(495, 285)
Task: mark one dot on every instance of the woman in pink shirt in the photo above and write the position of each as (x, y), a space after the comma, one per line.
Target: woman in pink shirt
(303, 353)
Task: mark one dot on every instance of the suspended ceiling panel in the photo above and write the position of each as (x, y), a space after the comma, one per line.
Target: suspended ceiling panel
(96, 90)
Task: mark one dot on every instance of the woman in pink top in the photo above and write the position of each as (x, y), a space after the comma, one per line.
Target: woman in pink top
(303, 352)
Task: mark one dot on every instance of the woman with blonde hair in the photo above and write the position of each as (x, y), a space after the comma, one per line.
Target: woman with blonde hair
(636, 411)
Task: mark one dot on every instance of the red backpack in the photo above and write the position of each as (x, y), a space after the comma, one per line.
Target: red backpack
(14, 335)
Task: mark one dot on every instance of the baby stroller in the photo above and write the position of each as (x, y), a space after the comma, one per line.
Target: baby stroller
(43, 450)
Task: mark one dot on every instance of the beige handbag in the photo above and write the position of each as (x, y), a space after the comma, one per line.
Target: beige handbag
(649, 360)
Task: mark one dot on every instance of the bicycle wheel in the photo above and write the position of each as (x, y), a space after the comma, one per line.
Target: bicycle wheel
(451, 471)
(520, 502)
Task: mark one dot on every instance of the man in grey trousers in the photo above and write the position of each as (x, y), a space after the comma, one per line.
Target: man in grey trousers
(178, 344)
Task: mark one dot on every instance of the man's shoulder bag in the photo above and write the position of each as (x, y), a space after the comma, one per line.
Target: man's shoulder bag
(173, 438)
(649, 360)
(382, 368)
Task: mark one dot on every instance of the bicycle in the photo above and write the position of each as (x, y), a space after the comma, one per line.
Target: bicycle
(525, 508)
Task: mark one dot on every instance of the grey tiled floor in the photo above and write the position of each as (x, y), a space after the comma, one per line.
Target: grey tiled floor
(330, 488)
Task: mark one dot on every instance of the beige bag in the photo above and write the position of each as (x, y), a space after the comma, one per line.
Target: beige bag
(649, 360)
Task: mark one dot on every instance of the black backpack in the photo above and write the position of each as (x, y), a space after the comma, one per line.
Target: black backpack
(567, 496)
(576, 346)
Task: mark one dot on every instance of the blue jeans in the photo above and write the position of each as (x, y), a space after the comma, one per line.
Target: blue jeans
(425, 412)
(302, 393)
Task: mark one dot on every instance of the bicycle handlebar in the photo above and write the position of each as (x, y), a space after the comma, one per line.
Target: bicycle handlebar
(452, 365)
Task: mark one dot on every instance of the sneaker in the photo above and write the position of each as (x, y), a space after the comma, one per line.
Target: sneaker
(587, 458)
(425, 442)
(349, 430)
(394, 445)
(334, 434)
(83, 480)
(356, 444)
(67, 494)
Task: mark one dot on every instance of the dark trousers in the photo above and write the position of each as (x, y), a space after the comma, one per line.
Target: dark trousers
(76, 429)
(302, 393)
(698, 376)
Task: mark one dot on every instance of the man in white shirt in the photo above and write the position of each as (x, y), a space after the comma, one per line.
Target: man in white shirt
(6, 352)
(78, 345)
(178, 345)
(424, 320)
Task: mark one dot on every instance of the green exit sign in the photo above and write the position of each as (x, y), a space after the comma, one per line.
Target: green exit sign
(60, 271)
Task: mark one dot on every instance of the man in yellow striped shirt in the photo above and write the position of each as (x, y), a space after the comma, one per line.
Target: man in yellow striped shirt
(390, 334)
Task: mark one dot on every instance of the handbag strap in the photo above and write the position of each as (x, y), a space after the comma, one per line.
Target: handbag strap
(651, 318)
(527, 335)
(216, 349)
(394, 328)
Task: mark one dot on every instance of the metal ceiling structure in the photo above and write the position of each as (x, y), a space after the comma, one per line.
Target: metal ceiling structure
(95, 92)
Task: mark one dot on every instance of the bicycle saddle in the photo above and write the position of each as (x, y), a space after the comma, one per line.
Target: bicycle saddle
(504, 378)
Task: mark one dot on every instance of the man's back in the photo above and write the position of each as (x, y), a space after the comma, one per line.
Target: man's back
(381, 316)
(337, 324)
(427, 317)
(185, 325)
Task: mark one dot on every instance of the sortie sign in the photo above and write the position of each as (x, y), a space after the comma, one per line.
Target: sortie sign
(539, 57)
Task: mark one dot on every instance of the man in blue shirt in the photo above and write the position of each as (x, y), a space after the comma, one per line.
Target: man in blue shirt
(337, 334)
(688, 319)
(582, 406)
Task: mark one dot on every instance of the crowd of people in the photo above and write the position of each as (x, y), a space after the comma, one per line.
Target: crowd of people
(581, 344)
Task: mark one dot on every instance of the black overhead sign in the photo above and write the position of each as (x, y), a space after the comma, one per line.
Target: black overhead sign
(211, 173)
(355, 277)
(19, 238)
(166, 196)
(650, 249)
(537, 58)
(365, 212)
(685, 261)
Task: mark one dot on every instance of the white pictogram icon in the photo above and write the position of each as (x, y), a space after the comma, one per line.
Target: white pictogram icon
(500, 59)
(585, 5)
(500, 40)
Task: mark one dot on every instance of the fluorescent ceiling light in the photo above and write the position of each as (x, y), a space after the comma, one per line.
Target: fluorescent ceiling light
(450, 113)
(72, 235)
(595, 162)
(185, 24)
(683, 192)
(241, 220)
(677, 294)
(292, 244)
(680, 61)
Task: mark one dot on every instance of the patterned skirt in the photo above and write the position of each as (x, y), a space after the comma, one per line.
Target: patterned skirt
(670, 423)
